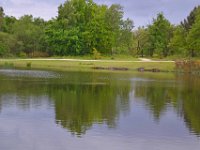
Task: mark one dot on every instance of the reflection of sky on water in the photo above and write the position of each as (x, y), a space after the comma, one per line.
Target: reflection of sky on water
(28, 73)
(36, 129)
(29, 115)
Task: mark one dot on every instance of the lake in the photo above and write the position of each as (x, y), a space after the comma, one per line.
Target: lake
(46, 110)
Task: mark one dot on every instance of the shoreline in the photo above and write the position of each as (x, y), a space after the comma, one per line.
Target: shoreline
(82, 64)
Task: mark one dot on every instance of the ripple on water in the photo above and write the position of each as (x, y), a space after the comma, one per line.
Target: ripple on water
(29, 73)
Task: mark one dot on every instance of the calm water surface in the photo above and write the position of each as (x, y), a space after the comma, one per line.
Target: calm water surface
(41, 110)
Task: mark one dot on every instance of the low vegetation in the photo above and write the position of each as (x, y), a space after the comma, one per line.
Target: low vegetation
(188, 66)
(89, 65)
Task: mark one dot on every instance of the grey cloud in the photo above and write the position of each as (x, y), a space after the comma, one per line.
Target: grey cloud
(141, 11)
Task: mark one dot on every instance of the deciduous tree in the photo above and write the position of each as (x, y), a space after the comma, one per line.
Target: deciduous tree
(159, 36)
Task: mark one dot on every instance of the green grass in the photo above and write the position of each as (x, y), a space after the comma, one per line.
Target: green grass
(103, 57)
(77, 65)
(174, 58)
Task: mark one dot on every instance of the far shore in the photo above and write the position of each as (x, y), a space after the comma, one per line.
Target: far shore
(88, 60)
(83, 64)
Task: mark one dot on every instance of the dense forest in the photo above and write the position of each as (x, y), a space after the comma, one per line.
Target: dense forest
(83, 27)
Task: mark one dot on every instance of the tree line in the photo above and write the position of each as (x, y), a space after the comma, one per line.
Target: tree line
(83, 27)
(162, 38)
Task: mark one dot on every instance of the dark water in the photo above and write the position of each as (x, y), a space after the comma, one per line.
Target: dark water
(42, 110)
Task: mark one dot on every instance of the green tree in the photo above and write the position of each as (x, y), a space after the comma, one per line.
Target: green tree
(187, 23)
(1, 17)
(125, 40)
(60, 41)
(142, 43)
(7, 44)
(96, 34)
(28, 34)
(8, 24)
(114, 15)
(82, 25)
(159, 36)
(193, 39)
(64, 34)
(177, 43)
(3, 49)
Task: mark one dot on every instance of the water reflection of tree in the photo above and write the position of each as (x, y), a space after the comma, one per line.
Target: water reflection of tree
(25, 92)
(84, 99)
(191, 102)
(79, 106)
(157, 95)
(80, 100)
(183, 95)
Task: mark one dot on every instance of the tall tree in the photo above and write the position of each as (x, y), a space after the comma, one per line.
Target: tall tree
(159, 36)
(187, 23)
(178, 43)
(142, 43)
(8, 44)
(63, 33)
(82, 26)
(1, 17)
(193, 39)
(8, 24)
(125, 39)
(114, 15)
(28, 34)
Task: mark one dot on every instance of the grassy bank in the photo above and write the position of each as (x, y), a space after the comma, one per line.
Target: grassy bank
(83, 64)
(102, 57)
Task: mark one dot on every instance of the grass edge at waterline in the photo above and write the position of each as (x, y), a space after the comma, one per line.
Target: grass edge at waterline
(78, 64)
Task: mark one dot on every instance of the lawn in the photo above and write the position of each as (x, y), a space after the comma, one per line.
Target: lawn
(60, 64)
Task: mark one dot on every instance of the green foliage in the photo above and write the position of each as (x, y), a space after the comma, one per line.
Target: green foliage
(177, 44)
(193, 38)
(62, 42)
(159, 36)
(82, 25)
(28, 64)
(187, 23)
(8, 43)
(22, 55)
(8, 24)
(96, 54)
(1, 18)
(125, 38)
(28, 34)
(141, 41)
(3, 49)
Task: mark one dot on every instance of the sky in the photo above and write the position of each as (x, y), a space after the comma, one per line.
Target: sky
(140, 11)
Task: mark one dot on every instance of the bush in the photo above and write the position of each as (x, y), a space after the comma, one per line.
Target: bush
(28, 64)
(7, 44)
(22, 55)
(39, 54)
(96, 54)
(3, 49)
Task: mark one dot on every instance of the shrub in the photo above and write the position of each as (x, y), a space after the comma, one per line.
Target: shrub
(188, 66)
(22, 55)
(39, 54)
(28, 64)
(96, 54)
(3, 49)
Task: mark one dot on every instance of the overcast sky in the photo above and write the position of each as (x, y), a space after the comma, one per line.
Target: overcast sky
(140, 11)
